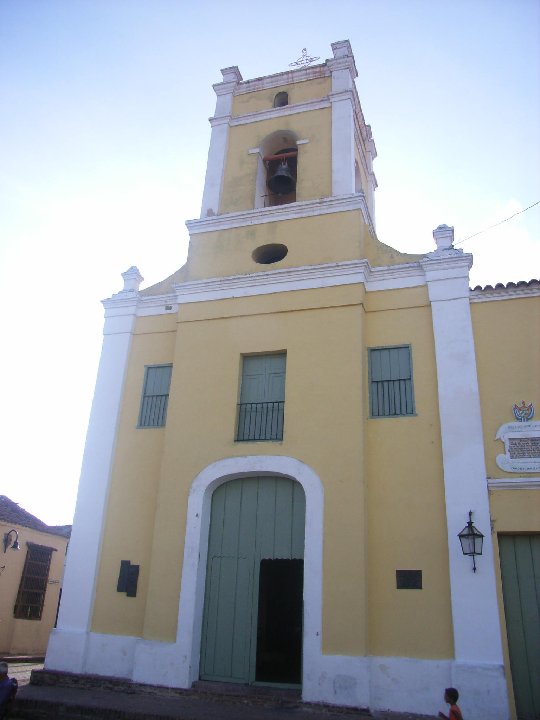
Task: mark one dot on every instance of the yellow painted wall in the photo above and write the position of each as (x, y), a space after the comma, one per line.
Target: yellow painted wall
(310, 241)
(299, 92)
(325, 334)
(515, 511)
(129, 528)
(405, 489)
(200, 429)
(313, 340)
(28, 637)
(314, 172)
(507, 342)
(336, 237)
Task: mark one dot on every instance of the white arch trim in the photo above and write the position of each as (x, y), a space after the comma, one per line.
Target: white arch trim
(196, 548)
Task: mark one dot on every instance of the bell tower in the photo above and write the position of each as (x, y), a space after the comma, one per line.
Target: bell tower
(289, 180)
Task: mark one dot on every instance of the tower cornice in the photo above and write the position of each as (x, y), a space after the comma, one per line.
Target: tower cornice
(292, 211)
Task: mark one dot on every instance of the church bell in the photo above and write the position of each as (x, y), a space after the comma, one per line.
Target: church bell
(282, 181)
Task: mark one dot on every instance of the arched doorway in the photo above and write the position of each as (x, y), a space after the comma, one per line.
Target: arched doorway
(253, 608)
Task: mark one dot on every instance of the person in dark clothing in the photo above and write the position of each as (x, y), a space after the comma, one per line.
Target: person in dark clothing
(8, 690)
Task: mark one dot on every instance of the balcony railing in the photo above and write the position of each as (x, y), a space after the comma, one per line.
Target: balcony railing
(390, 398)
(260, 421)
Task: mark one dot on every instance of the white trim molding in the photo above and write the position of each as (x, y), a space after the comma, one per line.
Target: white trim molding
(475, 613)
(288, 77)
(196, 547)
(388, 277)
(219, 141)
(514, 483)
(291, 211)
(285, 110)
(307, 277)
(342, 142)
(68, 643)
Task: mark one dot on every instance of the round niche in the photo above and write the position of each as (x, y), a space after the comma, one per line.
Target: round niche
(268, 254)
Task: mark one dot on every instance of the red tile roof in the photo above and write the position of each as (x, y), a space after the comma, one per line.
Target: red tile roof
(509, 285)
(14, 514)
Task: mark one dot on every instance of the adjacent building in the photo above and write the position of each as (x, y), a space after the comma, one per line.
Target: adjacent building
(32, 557)
(289, 432)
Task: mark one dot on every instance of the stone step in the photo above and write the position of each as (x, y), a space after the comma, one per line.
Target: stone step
(82, 697)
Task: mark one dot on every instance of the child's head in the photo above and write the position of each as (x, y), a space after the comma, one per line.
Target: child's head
(3, 669)
(451, 695)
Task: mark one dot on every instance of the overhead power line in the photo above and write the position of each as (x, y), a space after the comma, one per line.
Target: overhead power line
(496, 224)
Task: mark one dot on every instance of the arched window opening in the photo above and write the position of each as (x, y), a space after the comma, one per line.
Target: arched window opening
(277, 169)
(281, 99)
(281, 172)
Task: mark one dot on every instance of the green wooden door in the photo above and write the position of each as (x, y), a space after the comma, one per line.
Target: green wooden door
(520, 568)
(252, 519)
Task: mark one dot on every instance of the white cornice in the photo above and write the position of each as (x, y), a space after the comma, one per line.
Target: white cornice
(157, 305)
(219, 120)
(292, 211)
(514, 483)
(123, 300)
(302, 278)
(269, 113)
(511, 293)
(343, 63)
(388, 277)
(263, 283)
(393, 277)
(441, 260)
(284, 78)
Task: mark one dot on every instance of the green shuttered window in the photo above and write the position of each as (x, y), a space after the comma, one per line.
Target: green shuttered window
(390, 382)
(155, 397)
(262, 398)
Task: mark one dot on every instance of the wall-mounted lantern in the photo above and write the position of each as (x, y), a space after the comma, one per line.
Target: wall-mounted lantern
(7, 541)
(471, 540)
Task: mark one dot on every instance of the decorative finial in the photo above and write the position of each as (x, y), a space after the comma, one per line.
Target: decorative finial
(132, 280)
(444, 237)
(303, 60)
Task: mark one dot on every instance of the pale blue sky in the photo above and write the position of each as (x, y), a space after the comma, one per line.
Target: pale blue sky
(103, 144)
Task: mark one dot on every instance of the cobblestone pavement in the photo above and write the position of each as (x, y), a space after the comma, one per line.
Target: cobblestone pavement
(21, 671)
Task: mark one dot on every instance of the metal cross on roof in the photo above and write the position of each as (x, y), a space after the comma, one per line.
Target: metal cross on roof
(304, 59)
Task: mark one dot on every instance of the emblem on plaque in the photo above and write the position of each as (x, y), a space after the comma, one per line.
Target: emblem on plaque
(523, 412)
(521, 441)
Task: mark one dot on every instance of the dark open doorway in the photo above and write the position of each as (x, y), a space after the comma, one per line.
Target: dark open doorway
(279, 626)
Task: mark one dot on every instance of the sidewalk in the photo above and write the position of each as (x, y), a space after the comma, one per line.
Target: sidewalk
(57, 695)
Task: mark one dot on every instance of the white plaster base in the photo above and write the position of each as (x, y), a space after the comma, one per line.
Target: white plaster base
(482, 689)
(162, 664)
(338, 680)
(66, 651)
(110, 655)
(380, 683)
(409, 684)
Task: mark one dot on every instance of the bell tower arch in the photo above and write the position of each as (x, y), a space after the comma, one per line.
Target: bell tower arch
(277, 170)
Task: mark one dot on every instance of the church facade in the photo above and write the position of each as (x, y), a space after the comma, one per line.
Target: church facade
(289, 433)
